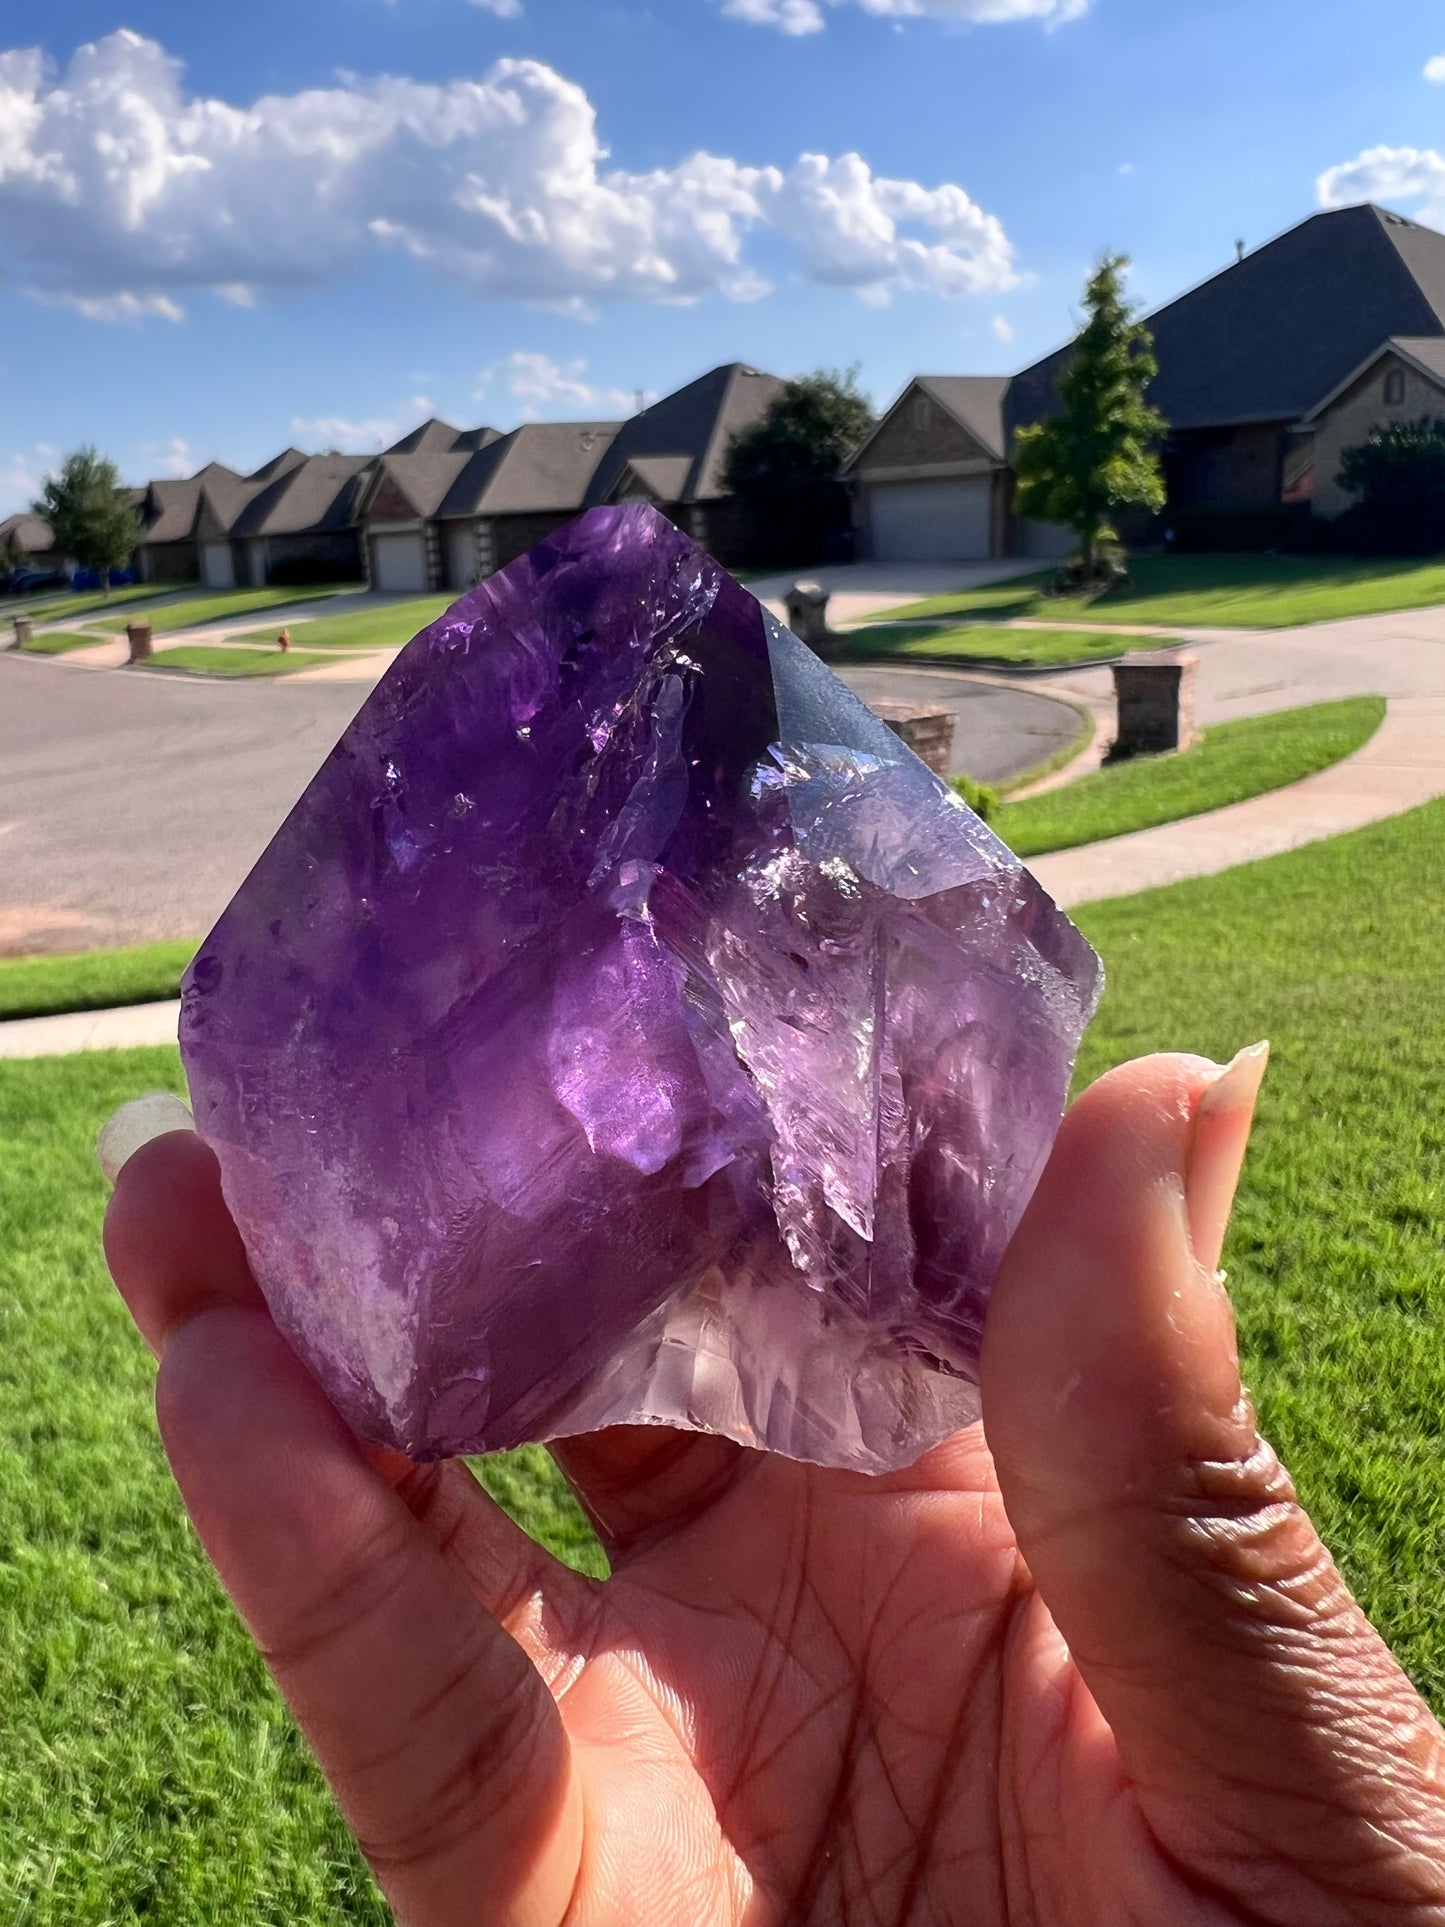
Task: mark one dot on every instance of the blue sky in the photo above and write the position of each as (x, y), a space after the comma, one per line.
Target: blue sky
(225, 229)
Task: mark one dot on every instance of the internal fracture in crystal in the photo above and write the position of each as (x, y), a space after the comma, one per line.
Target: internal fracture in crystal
(626, 1027)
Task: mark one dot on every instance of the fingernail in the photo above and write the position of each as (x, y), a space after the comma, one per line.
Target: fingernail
(1219, 1138)
(135, 1124)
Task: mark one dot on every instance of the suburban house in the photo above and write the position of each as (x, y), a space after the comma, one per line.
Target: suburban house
(674, 453)
(27, 539)
(1267, 371)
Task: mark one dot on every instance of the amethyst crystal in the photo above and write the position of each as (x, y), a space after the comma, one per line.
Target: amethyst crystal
(625, 1026)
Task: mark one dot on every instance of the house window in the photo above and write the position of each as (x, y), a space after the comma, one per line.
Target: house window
(1395, 387)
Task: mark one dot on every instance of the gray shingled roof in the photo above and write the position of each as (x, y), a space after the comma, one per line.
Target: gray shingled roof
(665, 476)
(268, 471)
(540, 468)
(33, 531)
(317, 496)
(434, 437)
(975, 400)
(424, 479)
(1268, 337)
(698, 422)
(171, 505)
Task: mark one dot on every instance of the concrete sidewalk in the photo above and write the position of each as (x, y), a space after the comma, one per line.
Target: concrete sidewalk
(1402, 766)
(128, 1028)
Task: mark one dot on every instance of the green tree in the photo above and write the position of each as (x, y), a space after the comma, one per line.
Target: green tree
(90, 513)
(1398, 473)
(784, 468)
(1099, 453)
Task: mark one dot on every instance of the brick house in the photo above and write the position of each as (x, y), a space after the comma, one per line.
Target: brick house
(1267, 371)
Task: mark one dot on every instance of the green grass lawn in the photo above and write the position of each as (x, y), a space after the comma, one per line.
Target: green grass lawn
(59, 642)
(225, 605)
(92, 980)
(1210, 591)
(217, 659)
(151, 1773)
(385, 627)
(992, 642)
(61, 606)
(1234, 761)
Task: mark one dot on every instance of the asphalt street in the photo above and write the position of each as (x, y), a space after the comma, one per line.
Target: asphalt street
(132, 805)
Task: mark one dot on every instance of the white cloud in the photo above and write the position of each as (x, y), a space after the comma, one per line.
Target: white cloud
(21, 476)
(807, 16)
(1002, 327)
(788, 16)
(1389, 174)
(1435, 69)
(423, 404)
(543, 386)
(120, 194)
(1127, 167)
(171, 458)
(503, 9)
(352, 437)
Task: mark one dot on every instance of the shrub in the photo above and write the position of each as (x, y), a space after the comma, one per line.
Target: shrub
(1236, 531)
(981, 798)
(1398, 473)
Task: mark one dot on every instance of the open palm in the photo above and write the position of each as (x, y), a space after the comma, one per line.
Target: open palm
(814, 1696)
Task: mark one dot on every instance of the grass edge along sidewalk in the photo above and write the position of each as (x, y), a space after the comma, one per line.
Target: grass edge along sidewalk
(1203, 592)
(1250, 756)
(135, 1707)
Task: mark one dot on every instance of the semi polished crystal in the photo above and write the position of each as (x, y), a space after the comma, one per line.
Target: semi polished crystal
(626, 1027)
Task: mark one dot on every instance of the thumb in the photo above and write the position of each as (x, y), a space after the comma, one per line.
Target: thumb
(1257, 1714)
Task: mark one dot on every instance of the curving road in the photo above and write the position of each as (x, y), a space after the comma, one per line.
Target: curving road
(131, 806)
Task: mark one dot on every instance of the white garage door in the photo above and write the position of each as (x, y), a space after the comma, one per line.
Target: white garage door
(218, 568)
(931, 521)
(398, 564)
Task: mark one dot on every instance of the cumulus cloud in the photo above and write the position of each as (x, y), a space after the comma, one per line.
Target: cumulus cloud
(503, 9)
(808, 16)
(120, 194)
(170, 458)
(351, 437)
(543, 385)
(1002, 327)
(22, 474)
(1395, 174)
(1435, 69)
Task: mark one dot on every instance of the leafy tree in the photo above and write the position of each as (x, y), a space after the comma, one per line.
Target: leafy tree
(90, 513)
(784, 467)
(1098, 454)
(1398, 473)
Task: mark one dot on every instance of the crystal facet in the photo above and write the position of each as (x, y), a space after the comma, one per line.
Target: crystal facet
(626, 1027)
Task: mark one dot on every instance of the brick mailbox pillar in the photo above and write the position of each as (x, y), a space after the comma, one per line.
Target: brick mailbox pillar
(808, 615)
(927, 732)
(23, 631)
(138, 634)
(1155, 694)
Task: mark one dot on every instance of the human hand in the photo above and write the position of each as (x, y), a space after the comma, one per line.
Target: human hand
(1098, 1670)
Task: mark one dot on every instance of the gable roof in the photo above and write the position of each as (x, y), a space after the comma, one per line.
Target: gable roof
(697, 422)
(168, 506)
(32, 531)
(278, 464)
(663, 476)
(1271, 334)
(540, 468)
(422, 480)
(316, 496)
(434, 437)
(975, 402)
(1425, 352)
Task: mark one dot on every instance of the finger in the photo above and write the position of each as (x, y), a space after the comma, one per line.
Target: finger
(1255, 1709)
(355, 1571)
(443, 1744)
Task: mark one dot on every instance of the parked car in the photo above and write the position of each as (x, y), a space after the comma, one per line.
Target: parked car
(32, 581)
